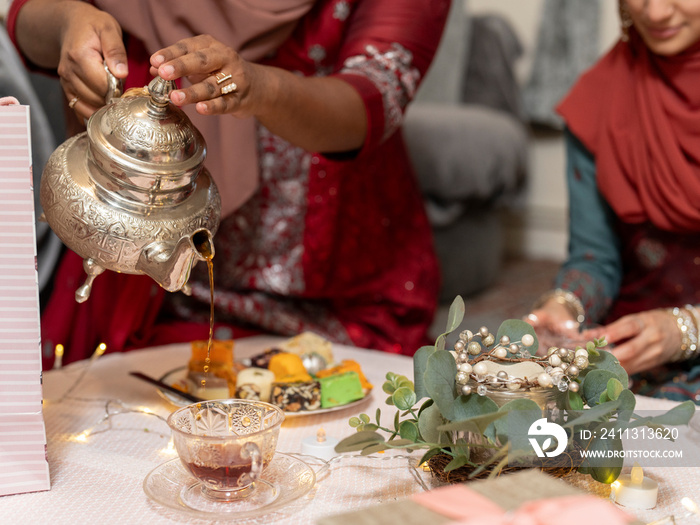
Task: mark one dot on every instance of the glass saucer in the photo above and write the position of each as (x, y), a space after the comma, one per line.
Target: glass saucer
(284, 480)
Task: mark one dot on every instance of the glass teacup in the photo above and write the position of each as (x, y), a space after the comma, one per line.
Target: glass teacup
(226, 444)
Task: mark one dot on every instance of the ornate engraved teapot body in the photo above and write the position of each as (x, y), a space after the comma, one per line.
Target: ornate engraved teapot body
(131, 194)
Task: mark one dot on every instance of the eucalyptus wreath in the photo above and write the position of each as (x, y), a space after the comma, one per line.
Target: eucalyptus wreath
(447, 404)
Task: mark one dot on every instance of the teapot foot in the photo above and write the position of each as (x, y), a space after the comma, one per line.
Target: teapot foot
(92, 269)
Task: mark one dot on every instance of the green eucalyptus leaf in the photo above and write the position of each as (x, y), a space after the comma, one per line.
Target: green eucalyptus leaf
(404, 398)
(583, 470)
(458, 461)
(428, 421)
(440, 342)
(388, 387)
(521, 414)
(575, 401)
(678, 415)
(364, 418)
(372, 449)
(404, 382)
(614, 388)
(455, 315)
(596, 413)
(515, 329)
(594, 384)
(402, 442)
(396, 421)
(409, 430)
(476, 424)
(358, 441)
(431, 452)
(439, 381)
(600, 466)
(467, 407)
(426, 404)
(603, 398)
(369, 427)
(354, 422)
(420, 363)
(627, 403)
(606, 361)
(378, 416)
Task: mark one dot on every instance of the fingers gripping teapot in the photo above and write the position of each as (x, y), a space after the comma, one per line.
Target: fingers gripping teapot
(131, 194)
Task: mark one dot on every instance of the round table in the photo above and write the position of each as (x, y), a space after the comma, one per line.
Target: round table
(98, 463)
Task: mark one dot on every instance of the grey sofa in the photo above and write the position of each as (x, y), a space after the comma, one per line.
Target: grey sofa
(468, 143)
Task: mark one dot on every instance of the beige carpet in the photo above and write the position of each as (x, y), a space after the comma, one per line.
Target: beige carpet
(520, 284)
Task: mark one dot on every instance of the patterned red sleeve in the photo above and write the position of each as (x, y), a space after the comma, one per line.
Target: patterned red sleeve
(388, 49)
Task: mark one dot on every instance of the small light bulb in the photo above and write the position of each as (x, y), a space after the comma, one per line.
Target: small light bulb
(690, 505)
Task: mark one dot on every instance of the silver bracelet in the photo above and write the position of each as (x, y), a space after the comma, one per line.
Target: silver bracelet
(566, 299)
(688, 328)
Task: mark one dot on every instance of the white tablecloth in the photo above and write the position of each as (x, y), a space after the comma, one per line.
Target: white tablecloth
(98, 478)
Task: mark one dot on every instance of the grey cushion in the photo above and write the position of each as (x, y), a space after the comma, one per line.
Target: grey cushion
(464, 153)
(470, 251)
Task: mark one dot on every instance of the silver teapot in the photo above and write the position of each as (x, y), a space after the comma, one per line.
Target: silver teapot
(131, 193)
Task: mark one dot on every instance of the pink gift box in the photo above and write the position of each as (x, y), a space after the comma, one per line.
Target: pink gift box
(23, 463)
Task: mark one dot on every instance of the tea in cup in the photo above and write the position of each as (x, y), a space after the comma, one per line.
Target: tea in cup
(226, 444)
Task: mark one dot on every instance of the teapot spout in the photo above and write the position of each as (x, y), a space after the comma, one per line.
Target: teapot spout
(170, 263)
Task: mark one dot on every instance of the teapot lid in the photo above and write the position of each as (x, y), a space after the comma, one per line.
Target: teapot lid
(146, 144)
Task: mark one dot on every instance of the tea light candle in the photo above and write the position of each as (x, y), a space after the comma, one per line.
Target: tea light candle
(634, 490)
(320, 445)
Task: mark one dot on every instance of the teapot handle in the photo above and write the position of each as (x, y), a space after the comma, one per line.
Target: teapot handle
(115, 87)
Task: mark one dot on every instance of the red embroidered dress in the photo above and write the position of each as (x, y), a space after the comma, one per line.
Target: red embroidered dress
(337, 244)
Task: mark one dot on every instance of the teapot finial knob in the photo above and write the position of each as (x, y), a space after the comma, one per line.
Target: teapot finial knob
(160, 89)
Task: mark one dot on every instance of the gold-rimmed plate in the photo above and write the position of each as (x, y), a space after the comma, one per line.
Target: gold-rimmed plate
(178, 376)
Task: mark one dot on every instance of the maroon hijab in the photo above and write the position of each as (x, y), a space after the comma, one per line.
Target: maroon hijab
(639, 115)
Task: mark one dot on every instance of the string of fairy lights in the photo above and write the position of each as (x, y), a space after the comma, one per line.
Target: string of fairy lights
(112, 407)
(116, 407)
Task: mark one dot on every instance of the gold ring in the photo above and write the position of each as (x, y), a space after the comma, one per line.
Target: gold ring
(229, 88)
(221, 77)
(73, 102)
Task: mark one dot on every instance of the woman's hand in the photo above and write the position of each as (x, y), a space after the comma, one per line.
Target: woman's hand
(76, 39)
(212, 68)
(643, 340)
(90, 38)
(315, 113)
(553, 325)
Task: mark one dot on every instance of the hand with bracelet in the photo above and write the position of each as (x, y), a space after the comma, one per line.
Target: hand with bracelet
(649, 339)
(556, 318)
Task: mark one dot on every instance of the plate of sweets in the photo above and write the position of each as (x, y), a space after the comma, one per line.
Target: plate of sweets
(299, 375)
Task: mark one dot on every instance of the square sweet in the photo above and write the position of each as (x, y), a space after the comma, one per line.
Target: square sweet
(296, 397)
(255, 383)
(340, 389)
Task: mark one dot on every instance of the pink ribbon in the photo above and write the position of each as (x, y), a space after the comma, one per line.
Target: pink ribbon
(468, 507)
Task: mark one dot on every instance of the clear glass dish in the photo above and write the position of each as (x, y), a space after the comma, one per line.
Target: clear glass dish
(285, 480)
